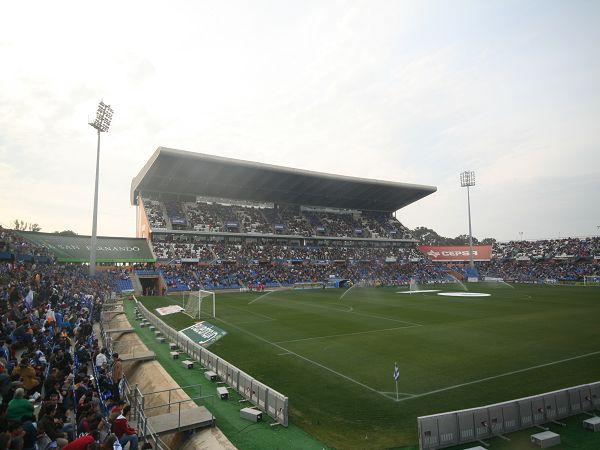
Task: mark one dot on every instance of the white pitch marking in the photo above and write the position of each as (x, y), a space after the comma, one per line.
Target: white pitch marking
(346, 334)
(539, 366)
(252, 312)
(283, 354)
(394, 392)
(359, 314)
(305, 358)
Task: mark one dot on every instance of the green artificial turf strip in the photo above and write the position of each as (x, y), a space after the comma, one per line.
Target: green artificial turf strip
(333, 357)
(243, 434)
(573, 436)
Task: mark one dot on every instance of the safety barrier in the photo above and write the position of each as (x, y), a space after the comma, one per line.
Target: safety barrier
(468, 425)
(262, 396)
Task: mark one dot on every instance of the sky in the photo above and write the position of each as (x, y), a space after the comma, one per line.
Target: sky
(407, 91)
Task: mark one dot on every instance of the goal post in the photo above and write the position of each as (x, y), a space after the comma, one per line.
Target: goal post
(199, 304)
(591, 280)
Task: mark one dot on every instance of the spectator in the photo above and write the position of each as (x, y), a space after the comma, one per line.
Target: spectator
(83, 442)
(102, 359)
(117, 374)
(52, 426)
(124, 432)
(19, 407)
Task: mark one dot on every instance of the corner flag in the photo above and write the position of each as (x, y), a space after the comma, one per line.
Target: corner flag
(396, 376)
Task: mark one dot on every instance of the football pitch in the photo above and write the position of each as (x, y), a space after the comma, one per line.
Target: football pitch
(334, 355)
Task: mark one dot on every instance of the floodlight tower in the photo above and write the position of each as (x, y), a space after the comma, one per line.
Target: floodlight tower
(101, 124)
(467, 179)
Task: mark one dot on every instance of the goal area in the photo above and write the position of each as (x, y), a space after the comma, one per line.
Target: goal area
(199, 304)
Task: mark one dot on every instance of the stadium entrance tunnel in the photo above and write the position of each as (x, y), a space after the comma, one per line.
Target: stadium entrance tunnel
(151, 285)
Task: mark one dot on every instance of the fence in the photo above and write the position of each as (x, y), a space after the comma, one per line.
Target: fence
(468, 425)
(262, 396)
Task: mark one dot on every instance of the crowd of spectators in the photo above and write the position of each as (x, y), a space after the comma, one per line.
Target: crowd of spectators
(234, 276)
(279, 219)
(48, 395)
(223, 265)
(14, 243)
(176, 215)
(292, 221)
(205, 216)
(219, 250)
(567, 248)
(154, 213)
(381, 224)
(539, 270)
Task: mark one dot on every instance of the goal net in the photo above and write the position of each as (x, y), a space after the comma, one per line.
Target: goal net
(199, 304)
(591, 280)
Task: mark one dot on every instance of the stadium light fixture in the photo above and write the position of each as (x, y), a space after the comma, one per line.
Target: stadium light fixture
(467, 179)
(101, 123)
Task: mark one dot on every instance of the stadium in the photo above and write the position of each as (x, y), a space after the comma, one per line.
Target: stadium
(264, 307)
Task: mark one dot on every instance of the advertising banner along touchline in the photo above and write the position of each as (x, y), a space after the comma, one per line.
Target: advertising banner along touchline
(204, 333)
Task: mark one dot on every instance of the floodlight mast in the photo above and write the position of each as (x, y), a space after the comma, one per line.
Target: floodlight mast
(101, 123)
(467, 179)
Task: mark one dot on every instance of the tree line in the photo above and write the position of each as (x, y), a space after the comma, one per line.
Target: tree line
(427, 236)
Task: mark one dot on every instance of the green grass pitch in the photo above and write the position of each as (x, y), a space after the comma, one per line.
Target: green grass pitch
(334, 357)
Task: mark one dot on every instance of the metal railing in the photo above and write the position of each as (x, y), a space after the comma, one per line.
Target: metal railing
(136, 399)
(170, 391)
(268, 400)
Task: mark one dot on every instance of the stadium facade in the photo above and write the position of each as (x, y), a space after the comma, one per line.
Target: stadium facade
(193, 197)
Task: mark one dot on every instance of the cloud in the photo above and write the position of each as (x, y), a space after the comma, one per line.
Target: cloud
(397, 91)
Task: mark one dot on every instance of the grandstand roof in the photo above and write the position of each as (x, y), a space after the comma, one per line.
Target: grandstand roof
(180, 172)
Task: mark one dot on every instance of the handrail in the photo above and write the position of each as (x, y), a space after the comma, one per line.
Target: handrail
(174, 389)
(178, 403)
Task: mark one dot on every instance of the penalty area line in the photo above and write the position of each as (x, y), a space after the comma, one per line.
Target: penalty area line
(346, 377)
(539, 366)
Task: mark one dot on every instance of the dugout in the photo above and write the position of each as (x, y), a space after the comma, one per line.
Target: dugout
(338, 283)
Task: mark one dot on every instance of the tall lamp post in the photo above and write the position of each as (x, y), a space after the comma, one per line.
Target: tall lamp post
(101, 124)
(467, 179)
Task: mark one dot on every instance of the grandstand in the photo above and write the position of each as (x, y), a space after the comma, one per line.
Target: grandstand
(227, 224)
(183, 193)
(238, 219)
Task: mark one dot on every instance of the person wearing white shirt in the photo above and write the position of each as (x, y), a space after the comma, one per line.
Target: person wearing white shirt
(101, 359)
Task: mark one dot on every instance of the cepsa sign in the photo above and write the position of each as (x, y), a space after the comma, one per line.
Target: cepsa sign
(456, 253)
